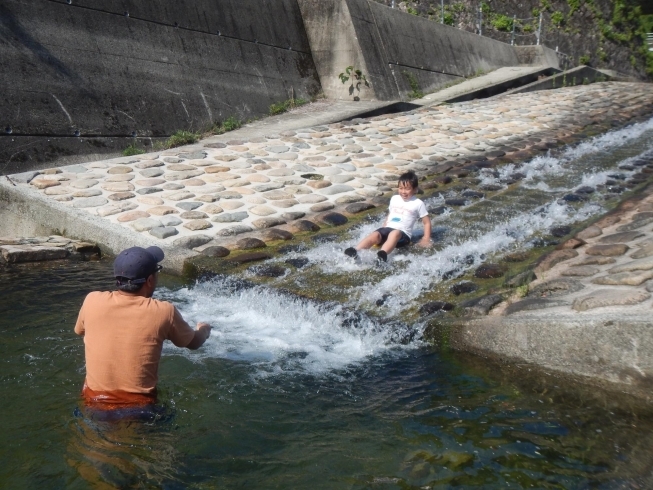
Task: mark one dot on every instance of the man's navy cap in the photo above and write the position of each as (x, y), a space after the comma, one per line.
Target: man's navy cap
(137, 263)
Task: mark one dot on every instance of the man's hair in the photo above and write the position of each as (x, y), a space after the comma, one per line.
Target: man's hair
(409, 178)
(128, 286)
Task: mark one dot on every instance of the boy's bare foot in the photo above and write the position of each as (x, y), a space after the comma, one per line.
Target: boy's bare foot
(382, 256)
(351, 252)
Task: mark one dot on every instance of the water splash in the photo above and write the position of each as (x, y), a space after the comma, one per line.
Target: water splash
(280, 333)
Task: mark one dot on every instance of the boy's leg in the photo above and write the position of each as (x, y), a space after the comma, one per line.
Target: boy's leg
(369, 241)
(391, 242)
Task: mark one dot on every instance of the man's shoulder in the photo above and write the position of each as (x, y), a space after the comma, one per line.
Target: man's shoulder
(162, 304)
(98, 295)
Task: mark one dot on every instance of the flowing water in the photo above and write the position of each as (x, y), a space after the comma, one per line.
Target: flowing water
(517, 217)
(293, 393)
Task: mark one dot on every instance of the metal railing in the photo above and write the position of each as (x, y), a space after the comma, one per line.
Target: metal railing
(649, 41)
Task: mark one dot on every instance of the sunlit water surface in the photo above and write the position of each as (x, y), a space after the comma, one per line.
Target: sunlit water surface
(289, 393)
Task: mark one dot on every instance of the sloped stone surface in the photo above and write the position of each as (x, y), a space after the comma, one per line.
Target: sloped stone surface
(610, 297)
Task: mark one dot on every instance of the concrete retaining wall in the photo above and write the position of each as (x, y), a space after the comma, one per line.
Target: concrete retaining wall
(580, 75)
(391, 47)
(83, 78)
(611, 349)
(542, 56)
(26, 212)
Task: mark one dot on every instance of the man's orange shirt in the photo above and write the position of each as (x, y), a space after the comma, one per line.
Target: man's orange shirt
(123, 338)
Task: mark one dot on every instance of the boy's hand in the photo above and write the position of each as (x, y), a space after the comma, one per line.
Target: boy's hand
(425, 242)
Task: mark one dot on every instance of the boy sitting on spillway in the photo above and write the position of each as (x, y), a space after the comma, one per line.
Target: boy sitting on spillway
(404, 211)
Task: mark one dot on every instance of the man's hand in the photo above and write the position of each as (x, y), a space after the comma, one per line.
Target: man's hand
(202, 332)
(424, 243)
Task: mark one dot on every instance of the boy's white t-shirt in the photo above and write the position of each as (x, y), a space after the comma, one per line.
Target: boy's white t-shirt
(403, 214)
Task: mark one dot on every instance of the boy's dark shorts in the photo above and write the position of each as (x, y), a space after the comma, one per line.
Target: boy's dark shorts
(384, 232)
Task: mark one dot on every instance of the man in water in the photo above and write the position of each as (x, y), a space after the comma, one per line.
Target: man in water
(124, 332)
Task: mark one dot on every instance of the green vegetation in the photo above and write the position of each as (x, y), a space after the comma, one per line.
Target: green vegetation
(357, 78)
(412, 11)
(502, 22)
(181, 138)
(286, 105)
(451, 12)
(646, 26)
(132, 150)
(573, 6)
(584, 60)
(416, 93)
(646, 22)
(229, 124)
(522, 291)
(457, 8)
(558, 18)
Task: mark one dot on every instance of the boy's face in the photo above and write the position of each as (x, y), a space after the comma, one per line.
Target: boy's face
(406, 191)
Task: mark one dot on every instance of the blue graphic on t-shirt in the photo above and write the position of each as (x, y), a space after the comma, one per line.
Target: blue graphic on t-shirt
(396, 220)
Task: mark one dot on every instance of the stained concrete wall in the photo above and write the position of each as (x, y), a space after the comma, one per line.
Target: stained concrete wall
(334, 44)
(610, 349)
(581, 75)
(83, 77)
(542, 56)
(391, 47)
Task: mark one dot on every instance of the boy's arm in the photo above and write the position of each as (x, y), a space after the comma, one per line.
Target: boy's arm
(426, 239)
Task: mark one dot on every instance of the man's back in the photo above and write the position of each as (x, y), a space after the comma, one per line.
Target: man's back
(123, 337)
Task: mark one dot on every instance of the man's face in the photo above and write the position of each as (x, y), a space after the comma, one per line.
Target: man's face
(406, 191)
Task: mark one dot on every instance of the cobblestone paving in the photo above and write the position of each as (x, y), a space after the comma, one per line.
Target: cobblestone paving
(607, 265)
(203, 195)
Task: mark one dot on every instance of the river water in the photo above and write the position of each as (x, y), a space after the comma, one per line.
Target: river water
(291, 393)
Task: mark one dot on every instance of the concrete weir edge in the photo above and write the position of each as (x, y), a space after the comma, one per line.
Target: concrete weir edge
(606, 350)
(27, 212)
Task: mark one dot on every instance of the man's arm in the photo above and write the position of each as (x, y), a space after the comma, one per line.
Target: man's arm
(202, 332)
(79, 324)
(426, 239)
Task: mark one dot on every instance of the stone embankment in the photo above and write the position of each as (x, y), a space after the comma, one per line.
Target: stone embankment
(608, 264)
(588, 311)
(39, 249)
(228, 194)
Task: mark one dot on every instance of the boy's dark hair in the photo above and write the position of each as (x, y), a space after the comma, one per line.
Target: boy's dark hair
(409, 178)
